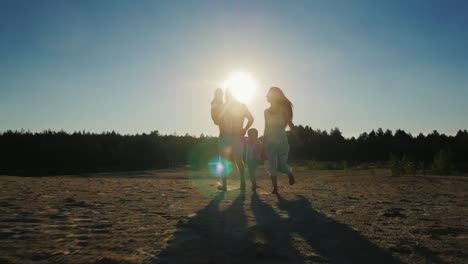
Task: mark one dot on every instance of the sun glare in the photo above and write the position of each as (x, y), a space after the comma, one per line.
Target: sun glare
(241, 85)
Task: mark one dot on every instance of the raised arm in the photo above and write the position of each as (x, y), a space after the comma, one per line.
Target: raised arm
(292, 128)
(291, 125)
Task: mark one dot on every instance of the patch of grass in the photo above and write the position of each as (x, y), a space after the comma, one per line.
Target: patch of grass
(326, 165)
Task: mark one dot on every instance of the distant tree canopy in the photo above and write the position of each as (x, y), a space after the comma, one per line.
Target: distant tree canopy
(51, 152)
(376, 145)
(48, 152)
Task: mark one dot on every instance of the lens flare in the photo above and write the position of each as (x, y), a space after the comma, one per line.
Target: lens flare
(206, 166)
(220, 167)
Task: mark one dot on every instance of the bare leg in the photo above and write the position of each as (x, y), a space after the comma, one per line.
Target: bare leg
(253, 179)
(291, 178)
(227, 157)
(274, 181)
(240, 167)
(224, 187)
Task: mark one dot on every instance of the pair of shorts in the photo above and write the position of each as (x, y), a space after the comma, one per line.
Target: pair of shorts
(277, 157)
(231, 146)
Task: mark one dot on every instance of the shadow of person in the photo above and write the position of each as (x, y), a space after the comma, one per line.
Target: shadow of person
(336, 242)
(235, 232)
(211, 236)
(272, 234)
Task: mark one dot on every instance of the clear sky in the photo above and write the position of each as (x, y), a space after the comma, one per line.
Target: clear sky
(138, 66)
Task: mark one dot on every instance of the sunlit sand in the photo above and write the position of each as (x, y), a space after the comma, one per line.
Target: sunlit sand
(180, 217)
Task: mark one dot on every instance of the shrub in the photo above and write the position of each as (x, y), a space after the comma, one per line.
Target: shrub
(410, 167)
(443, 162)
(326, 165)
(402, 166)
(394, 164)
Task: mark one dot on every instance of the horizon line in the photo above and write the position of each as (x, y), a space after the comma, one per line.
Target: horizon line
(22, 130)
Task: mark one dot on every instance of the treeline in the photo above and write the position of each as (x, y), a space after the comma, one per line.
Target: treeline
(376, 145)
(48, 152)
(397, 150)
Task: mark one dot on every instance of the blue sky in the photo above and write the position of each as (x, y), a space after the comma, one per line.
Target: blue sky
(138, 66)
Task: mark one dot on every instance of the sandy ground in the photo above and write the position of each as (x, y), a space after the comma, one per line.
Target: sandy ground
(180, 217)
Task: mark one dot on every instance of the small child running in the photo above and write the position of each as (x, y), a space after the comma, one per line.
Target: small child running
(253, 155)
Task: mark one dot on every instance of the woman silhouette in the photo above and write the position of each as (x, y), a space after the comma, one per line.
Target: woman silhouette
(277, 117)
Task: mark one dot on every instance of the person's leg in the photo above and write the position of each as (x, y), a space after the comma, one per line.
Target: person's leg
(224, 181)
(227, 155)
(252, 170)
(274, 182)
(272, 165)
(222, 160)
(231, 160)
(283, 162)
(238, 153)
(291, 178)
(240, 167)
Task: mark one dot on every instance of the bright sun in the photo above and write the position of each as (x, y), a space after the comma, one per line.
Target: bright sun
(241, 85)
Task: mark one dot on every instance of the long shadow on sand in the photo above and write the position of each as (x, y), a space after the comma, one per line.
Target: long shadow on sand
(223, 236)
(272, 234)
(334, 241)
(211, 236)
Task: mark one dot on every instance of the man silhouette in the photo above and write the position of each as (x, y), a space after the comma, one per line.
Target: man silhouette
(232, 134)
